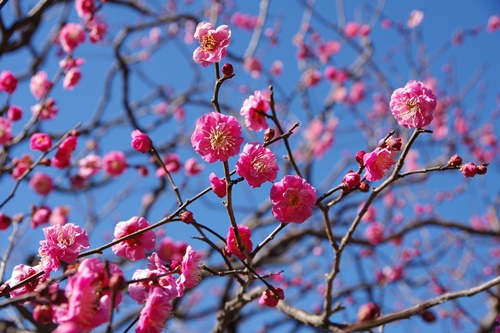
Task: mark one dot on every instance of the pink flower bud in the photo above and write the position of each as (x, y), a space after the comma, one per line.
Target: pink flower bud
(269, 134)
(455, 161)
(481, 169)
(269, 298)
(228, 70)
(428, 316)
(368, 311)
(14, 113)
(43, 313)
(186, 216)
(359, 157)
(218, 185)
(8, 82)
(5, 221)
(351, 179)
(469, 169)
(140, 141)
(364, 187)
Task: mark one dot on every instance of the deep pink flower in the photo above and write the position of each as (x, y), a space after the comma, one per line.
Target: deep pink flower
(254, 110)
(493, 23)
(468, 169)
(232, 244)
(8, 82)
(97, 29)
(133, 248)
(377, 163)
(5, 131)
(69, 143)
(217, 137)
(140, 141)
(59, 215)
(351, 29)
(62, 243)
(293, 199)
(192, 167)
(114, 163)
(40, 216)
(218, 185)
(311, 77)
(72, 78)
(14, 113)
(172, 163)
(413, 105)
(40, 84)
(70, 36)
(269, 298)
(375, 232)
(257, 164)
(46, 111)
(213, 43)
(5, 221)
(41, 183)
(190, 270)
(351, 179)
(155, 312)
(21, 165)
(85, 8)
(89, 165)
(40, 141)
(22, 272)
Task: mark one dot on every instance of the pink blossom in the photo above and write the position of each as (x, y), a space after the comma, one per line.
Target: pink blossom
(311, 77)
(377, 163)
(218, 185)
(213, 43)
(375, 232)
(62, 243)
(40, 141)
(5, 221)
(277, 67)
(70, 36)
(413, 105)
(493, 23)
(192, 167)
(254, 109)
(269, 298)
(320, 137)
(85, 8)
(244, 21)
(5, 131)
(71, 78)
(257, 164)
(140, 141)
(169, 250)
(253, 66)
(351, 179)
(155, 312)
(172, 163)
(330, 73)
(8, 82)
(114, 163)
(59, 215)
(293, 199)
(14, 113)
(351, 29)
(217, 137)
(232, 244)
(327, 49)
(416, 17)
(133, 248)
(40, 84)
(89, 165)
(190, 270)
(41, 183)
(21, 165)
(22, 272)
(357, 92)
(97, 29)
(69, 63)
(365, 30)
(40, 216)
(468, 169)
(46, 111)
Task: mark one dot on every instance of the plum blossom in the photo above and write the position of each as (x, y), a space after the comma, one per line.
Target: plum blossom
(63, 155)
(72, 78)
(413, 105)
(155, 312)
(218, 185)
(89, 165)
(190, 270)
(377, 163)
(40, 84)
(40, 141)
(62, 243)
(5, 131)
(133, 248)
(140, 141)
(8, 82)
(375, 232)
(70, 36)
(14, 113)
(254, 109)
(269, 298)
(97, 29)
(232, 243)
(5, 221)
(351, 179)
(170, 250)
(253, 66)
(46, 111)
(493, 23)
(257, 164)
(192, 167)
(22, 272)
(213, 43)
(85, 8)
(293, 199)
(40, 216)
(114, 163)
(468, 169)
(217, 137)
(368, 311)
(41, 183)
(172, 163)
(416, 17)
(351, 29)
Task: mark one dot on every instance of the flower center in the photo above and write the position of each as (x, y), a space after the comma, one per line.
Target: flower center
(208, 43)
(220, 140)
(292, 197)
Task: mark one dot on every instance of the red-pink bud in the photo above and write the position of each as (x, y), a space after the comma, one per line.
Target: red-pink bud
(270, 298)
(74, 132)
(269, 134)
(43, 313)
(359, 157)
(186, 217)
(368, 311)
(364, 187)
(469, 169)
(140, 141)
(455, 161)
(5, 221)
(481, 169)
(394, 144)
(227, 70)
(351, 179)
(143, 171)
(428, 316)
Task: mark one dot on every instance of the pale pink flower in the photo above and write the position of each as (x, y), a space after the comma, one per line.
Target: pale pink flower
(22, 272)
(14, 113)
(70, 36)
(46, 111)
(97, 29)
(416, 17)
(59, 215)
(257, 164)
(253, 66)
(217, 137)
(311, 77)
(351, 29)
(377, 163)
(254, 109)
(72, 78)
(244, 21)
(114, 163)
(375, 232)
(89, 296)
(192, 167)
(277, 68)
(269, 298)
(85, 8)
(40, 141)
(413, 105)
(213, 43)
(8, 82)
(40, 84)
(41, 183)
(293, 199)
(89, 165)
(133, 248)
(232, 244)
(140, 141)
(190, 270)
(62, 243)
(493, 23)
(218, 185)
(155, 312)
(5, 131)
(40, 216)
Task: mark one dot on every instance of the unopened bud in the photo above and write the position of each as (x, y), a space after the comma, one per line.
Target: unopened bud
(268, 134)
(394, 144)
(359, 157)
(116, 282)
(428, 316)
(143, 171)
(43, 313)
(228, 70)
(351, 179)
(186, 217)
(481, 169)
(455, 161)
(469, 169)
(45, 161)
(4, 289)
(364, 187)
(368, 311)
(74, 132)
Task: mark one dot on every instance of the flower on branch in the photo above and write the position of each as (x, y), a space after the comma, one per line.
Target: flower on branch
(377, 163)
(254, 109)
(293, 199)
(269, 298)
(232, 243)
(140, 141)
(257, 164)
(133, 248)
(413, 105)
(213, 43)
